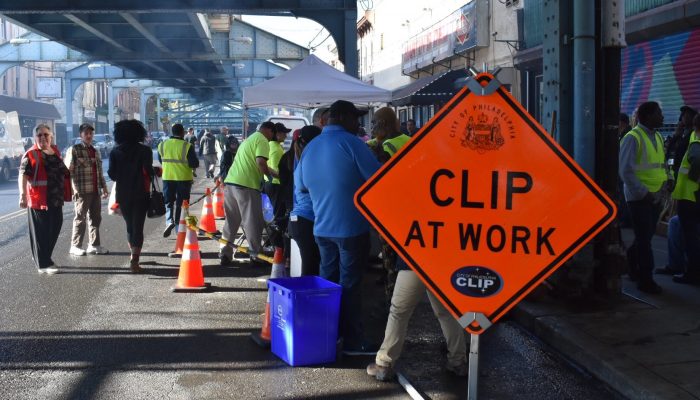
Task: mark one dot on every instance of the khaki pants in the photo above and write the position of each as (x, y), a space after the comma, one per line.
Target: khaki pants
(243, 206)
(407, 293)
(88, 208)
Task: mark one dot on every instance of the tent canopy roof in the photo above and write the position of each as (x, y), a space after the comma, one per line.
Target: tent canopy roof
(312, 83)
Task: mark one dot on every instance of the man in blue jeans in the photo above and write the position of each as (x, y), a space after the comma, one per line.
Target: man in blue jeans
(342, 233)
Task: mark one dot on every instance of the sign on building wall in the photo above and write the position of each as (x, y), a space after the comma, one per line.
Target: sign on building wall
(465, 29)
(49, 87)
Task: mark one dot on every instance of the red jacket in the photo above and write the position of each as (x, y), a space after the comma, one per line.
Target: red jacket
(36, 185)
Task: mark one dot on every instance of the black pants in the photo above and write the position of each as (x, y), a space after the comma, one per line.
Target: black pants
(135, 217)
(44, 227)
(644, 214)
(302, 231)
(688, 216)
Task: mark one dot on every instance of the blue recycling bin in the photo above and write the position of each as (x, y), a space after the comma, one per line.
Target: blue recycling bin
(304, 319)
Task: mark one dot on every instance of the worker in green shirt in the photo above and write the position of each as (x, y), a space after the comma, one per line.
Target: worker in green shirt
(271, 186)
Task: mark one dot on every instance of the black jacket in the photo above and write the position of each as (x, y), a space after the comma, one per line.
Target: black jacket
(126, 163)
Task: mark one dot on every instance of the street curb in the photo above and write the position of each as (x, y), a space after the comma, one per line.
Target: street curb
(607, 364)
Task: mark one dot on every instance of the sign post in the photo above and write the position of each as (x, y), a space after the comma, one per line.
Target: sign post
(483, 205)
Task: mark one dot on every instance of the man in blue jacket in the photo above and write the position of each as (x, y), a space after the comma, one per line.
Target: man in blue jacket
(342, 233)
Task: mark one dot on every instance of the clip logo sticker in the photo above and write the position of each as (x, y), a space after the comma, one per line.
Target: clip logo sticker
(477, 281)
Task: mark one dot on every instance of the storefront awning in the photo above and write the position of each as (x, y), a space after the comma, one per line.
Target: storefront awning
(429, 90)
(29, 108)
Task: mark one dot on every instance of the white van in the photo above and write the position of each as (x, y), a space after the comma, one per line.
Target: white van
(292, 122)
(11, 146)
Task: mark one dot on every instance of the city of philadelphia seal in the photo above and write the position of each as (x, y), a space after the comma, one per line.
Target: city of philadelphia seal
(482, 128)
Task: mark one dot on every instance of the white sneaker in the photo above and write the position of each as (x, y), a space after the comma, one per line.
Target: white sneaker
(97, 250)
(48, 270)
(76, 251)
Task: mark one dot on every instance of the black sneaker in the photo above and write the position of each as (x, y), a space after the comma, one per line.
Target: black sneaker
(364, 349)
(168, 229)
(223, 260)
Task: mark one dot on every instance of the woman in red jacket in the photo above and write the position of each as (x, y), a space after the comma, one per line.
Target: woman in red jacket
(44, 185)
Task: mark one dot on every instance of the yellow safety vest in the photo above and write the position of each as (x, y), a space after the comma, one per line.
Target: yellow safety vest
(173, 153)
(686, 188)
(649, 163)
(393, 145)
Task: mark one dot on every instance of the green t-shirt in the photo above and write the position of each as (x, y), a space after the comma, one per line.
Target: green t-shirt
(276, 153)
(245, 171)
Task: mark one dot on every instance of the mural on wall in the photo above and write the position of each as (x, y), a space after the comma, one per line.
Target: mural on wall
(665, 70)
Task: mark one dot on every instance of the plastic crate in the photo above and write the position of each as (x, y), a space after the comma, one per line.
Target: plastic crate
(304, 319)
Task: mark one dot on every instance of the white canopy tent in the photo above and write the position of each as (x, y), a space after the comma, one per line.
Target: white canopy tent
(312, 83)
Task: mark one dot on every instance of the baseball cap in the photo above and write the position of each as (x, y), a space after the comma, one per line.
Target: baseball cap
(308, 133)
(279, 127)
(343, 107)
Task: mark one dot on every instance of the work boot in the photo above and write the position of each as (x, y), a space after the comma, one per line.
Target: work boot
(381, 373)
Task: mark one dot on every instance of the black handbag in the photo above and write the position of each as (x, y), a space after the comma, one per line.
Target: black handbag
(156, 202)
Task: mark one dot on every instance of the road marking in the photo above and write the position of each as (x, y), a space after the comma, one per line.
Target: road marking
(11, 215)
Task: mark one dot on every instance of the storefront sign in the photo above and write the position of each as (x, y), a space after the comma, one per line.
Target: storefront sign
(464, 29)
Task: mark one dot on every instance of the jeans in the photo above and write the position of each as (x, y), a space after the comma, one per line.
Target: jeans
(676, 258)
(343, 261)
(175, 192)
(645, 215)
(688, 216)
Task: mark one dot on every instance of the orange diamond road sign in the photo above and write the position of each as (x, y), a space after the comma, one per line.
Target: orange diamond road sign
(483, 204)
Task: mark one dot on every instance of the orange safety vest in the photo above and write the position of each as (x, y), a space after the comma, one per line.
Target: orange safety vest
(36, 186)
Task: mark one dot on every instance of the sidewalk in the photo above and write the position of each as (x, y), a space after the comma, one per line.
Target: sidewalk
(647, 347)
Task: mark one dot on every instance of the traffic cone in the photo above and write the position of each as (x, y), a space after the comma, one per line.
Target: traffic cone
(263, 338)
(181, 231)
(219, 212)
(207, 222)
(191, 277)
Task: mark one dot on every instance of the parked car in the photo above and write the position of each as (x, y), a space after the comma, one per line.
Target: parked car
(104, 143)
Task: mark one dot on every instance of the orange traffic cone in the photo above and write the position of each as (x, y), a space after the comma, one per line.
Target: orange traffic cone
(263, 338)
(219, 212)
(207, 222)
(181, 231)
(191, 277)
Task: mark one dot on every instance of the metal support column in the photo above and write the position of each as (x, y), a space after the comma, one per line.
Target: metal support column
(557, 91)
(584, 84)
(68, 95)
(159, 123)
(142, 108)
(351, 62)
(110, 107)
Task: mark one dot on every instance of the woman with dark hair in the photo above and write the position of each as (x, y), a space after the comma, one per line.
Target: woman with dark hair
(44, 185)
(131, 167)
(301, 218)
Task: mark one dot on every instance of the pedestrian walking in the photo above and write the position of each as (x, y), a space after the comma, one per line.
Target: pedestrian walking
(178, 159)
(207, 149)
(44, 185)
(646, 182)
(89, 188)
(227, 158)
(131, 167)
(342, 233)
(242, 199)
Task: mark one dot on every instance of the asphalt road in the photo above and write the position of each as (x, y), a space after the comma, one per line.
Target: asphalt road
(94, 331)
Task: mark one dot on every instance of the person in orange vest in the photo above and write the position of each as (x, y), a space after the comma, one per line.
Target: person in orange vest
(409, 289)
(44, 185)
